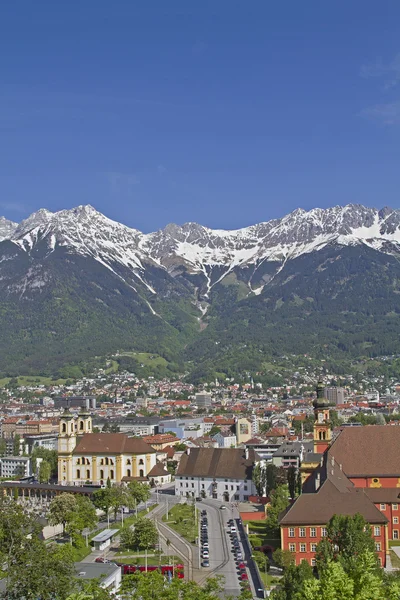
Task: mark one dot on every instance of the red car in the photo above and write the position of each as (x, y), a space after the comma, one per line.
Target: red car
(100, 559)
(244, 576)
(241, 565)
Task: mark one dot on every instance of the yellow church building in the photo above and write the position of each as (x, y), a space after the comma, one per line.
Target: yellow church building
(84, 456)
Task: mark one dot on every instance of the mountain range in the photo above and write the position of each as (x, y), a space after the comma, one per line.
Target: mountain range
(75, 284)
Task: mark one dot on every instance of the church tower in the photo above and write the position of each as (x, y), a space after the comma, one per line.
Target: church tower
(66, 445)
(84, 423)
(322, 425)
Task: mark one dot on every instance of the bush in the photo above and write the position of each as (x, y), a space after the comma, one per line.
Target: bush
(255, 541)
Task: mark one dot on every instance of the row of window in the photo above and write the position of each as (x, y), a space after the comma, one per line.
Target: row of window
(110, 474)
(105, 461)
(303, 532)
(394, 506)
(202, 479)
(313, 547)
(313, 531)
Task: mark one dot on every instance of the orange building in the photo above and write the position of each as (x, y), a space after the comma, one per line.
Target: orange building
(357, 473)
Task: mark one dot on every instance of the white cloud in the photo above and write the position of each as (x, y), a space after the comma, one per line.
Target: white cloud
(389, 114)
(390, 71)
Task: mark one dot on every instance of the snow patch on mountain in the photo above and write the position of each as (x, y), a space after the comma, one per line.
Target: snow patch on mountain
(198, 249)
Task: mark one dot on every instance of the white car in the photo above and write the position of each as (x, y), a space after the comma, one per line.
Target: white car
(206, 546)
(233, 529)
(205, 554)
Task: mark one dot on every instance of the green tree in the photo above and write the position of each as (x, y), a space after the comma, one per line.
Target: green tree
(259, 478)
(145, 534)
(279, 501)
(84, 516)
(139, 492)
(62, 510)
(3, 447)
(292, 582)
(271, 478)
(283, 558)
(347, 538)
(44, 472)
(50, 456)
(41, 572)
(214, 430)
(292, 480)
(127, 537)
(102, 499)
(17, 445)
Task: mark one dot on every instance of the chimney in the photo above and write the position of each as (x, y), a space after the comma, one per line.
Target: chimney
(188, 451)
(341, 468)
(246, 453)
(317, 481)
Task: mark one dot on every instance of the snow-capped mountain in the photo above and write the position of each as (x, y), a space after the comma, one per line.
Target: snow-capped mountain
(7, 228)
(75, 284)
(200, 250)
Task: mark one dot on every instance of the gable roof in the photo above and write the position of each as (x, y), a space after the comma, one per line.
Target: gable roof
(336, 494)
(228, 463)
(369, 451)
(111, 443)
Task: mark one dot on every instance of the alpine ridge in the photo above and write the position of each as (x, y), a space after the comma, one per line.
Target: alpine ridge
(74, 283)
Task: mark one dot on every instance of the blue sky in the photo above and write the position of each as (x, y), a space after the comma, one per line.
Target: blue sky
(224, 112)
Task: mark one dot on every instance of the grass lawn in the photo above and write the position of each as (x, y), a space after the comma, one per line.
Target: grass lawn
(33, 380)
(395, 560)
(181, 520)
(268, 579)
(131, 520)
(147, 359)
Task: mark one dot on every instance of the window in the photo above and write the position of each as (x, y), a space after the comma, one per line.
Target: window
(302, 547)
(292, 547)
(302, 532)
(313, 562)
(202, 478)
(128, 462)
(395, 534)
(202, 486)
(128, 473)
(107, 461)
(231, 487)
(112, 474)
(226, 487)
(78, 473)
(142, 463)
(87, 473)
(81, 425)
(187, 485)
(313, 532)
(102, 461)
(377, 531)
(192, 485)
(395, 520)
(395, 506)
(237, 487)
(64, 428)
(324, 532)
(245, 488)
(378, 546)
(313, 547)
(236, 497)
(101, 474)
(141, 473)
(383, 506)
(291, 531)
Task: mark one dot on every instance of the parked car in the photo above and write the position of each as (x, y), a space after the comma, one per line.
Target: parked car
(205, 545)
(241, 565)
(205, 563)
(205, 554)
(239, 556)
(223, 507)
(100, 559)
(233, 529)
(244, 576)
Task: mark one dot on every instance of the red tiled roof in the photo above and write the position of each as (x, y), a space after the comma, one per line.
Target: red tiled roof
(111, 443)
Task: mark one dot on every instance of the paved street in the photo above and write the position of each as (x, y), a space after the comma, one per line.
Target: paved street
(221, 556)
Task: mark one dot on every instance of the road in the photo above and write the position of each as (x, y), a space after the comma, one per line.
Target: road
(222, 560)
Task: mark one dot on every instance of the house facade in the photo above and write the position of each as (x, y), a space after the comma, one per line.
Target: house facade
(221, 473)
(359, 472)
(85, 457)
